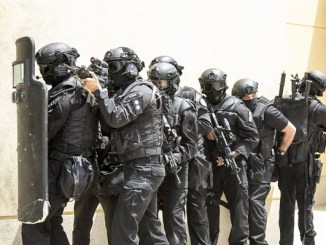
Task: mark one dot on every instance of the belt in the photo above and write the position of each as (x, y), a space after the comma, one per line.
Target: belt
(156, 158)
(152, 159)
(60, 156)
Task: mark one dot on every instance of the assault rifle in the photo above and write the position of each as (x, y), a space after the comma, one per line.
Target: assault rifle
(98, 178)
(170, 135)
(295, 83)
(295, 87)
(99, 67)
(97, 159)
(224, 139)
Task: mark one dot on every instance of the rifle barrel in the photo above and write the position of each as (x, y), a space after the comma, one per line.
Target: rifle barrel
(282, 82)
(307, 89)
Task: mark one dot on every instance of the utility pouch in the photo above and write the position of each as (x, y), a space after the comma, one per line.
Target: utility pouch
(318, 167)
(256, 166)
(76, 176)
(298, 152)
(127, 139)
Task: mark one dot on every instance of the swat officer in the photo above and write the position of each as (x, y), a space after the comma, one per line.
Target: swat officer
(199, 167)
(268, 119)
(181, 117)
(136, 138)
(106, 186)
(213, 85)
(104, 190)
(72, 130)
(297, 180)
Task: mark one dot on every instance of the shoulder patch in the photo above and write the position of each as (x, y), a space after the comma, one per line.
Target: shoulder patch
(136, 104)
(250, 116)
(133, 95)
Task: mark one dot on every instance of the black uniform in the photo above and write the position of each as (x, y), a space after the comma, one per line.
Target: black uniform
(72, 124)
(244, 128)
(294, 176)
(136, 137)
(267, 119)
(199, 168)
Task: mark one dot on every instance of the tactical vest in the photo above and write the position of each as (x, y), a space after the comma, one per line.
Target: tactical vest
(193, 95)
(142, 137)
(79, 132)
(174, 112)
(267, 134)
(225, 109)
(296, 111)
(316, 134)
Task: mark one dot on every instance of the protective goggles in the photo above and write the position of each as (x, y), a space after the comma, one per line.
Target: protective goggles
(45, 68)
(161, 83)
(207, 87)
(115, 66)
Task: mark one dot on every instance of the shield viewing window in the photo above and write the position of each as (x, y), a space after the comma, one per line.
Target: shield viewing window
(18, 74)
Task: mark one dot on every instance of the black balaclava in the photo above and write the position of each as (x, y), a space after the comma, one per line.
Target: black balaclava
(251, 104)
(54, 81)
(215, 96)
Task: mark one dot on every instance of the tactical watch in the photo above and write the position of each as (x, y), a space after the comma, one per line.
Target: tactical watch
(101, 93)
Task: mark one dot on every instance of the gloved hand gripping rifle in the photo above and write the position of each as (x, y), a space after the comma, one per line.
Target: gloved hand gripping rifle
(224, 139)
(99, 67)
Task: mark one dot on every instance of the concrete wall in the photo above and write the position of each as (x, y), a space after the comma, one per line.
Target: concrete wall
(254, 38)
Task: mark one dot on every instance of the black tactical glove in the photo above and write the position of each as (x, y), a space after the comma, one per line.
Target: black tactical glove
(281, 158)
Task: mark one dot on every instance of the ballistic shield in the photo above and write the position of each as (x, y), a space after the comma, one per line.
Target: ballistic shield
(32, 134)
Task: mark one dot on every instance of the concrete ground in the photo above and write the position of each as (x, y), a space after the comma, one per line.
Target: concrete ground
(10, 228)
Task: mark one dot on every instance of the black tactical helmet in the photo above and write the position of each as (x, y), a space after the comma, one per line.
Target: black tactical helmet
(51, 58)
(318, 82)
(189, 93)
(166, 59)
(212, 78)
(123, 65)
(165, 76)
(243, 87)
(213, 84)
